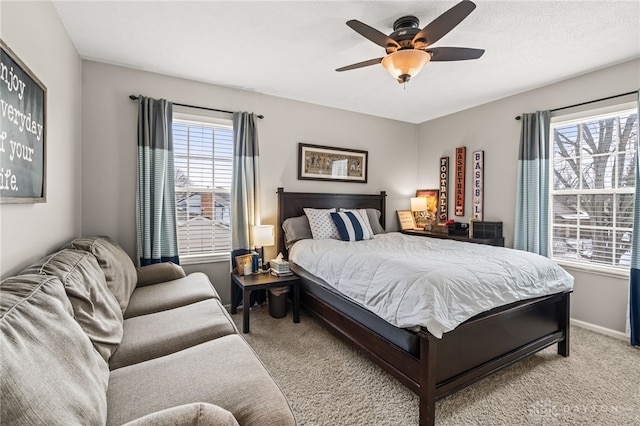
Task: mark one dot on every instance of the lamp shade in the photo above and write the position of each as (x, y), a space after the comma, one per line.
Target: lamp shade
(263, 235)
(404, 64)
(418, 204)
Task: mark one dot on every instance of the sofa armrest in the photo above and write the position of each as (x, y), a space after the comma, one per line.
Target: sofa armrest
(158, 273)
(197, 413)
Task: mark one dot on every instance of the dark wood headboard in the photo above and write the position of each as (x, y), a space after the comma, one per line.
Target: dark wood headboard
(291, 204)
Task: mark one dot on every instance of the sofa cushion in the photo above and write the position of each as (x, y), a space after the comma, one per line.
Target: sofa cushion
(49, 371)
(94, 307)
(162, 333)
(158, 273)
(225, 372)
(119, 270)
(171, 294)
(194, 414)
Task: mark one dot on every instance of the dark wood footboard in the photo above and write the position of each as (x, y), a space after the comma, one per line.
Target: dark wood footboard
(476, 349)
(488, 343)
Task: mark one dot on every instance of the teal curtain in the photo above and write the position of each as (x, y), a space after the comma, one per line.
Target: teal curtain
(155, 195)
(634, 276)
(245, 181)
(245, 191)
(532, 196)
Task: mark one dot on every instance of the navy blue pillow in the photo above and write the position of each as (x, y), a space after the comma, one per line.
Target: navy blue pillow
(350, 226)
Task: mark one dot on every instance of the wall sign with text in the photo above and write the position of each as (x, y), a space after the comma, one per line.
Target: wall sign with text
(478, 184)
(459, 189)
(23, 101)
(443, 208)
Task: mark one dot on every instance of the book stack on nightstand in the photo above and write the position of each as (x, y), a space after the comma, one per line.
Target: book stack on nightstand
(280, 268)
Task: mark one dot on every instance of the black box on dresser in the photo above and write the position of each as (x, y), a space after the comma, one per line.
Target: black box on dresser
(458, 228)
(486, 229)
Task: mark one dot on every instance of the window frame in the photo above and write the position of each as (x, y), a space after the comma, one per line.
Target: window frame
(214, 119)
(616, 108)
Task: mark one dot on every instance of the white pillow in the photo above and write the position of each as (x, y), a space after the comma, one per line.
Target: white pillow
(365, 218)
(321, 224)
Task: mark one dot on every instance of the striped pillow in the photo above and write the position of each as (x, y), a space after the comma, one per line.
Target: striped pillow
(351, 226)
(363, 215)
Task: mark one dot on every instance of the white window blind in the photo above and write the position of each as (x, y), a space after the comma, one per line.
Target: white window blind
(203, 156)
(592, 189)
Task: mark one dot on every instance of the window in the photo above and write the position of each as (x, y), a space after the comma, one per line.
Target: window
(592, 189)
(203, 156)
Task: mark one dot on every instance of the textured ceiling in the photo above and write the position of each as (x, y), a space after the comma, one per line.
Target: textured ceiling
(291, 49)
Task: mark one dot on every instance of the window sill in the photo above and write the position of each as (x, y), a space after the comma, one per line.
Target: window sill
(599, 270)
(205, 258)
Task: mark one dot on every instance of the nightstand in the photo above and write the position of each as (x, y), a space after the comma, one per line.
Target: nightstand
(498, 241)
(249, 283)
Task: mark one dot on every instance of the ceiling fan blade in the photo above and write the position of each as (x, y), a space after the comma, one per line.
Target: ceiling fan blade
(454, 53)
(360, 64)
(372, 34)
(444, 23)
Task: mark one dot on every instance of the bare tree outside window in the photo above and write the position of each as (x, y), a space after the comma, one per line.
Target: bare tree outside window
(592, 189)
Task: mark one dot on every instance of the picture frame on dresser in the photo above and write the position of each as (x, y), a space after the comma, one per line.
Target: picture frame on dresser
(242, 261)
(406, 220)
(430, 216)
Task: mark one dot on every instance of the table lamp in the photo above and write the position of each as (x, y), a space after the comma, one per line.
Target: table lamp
(262, 237)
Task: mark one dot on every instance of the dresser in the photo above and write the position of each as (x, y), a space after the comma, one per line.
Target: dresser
(498, 241)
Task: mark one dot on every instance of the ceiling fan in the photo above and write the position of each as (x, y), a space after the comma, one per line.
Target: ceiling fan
(407, 47)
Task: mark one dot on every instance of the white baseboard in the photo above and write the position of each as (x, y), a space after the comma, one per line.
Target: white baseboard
(600, 329)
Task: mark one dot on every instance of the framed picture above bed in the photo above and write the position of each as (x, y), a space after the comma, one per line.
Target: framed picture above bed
(316, 162)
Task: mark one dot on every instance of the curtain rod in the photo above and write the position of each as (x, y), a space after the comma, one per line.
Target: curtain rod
(134, 97)
(588, 102)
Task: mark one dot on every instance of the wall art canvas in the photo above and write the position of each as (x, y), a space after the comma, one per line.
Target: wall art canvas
(22, 132)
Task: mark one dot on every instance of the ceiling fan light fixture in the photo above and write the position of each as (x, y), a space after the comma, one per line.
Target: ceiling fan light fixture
(405, 64)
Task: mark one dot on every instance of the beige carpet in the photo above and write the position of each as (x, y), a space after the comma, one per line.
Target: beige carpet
(329, 383)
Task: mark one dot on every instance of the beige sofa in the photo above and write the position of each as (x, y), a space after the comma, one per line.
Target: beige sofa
(89, 340)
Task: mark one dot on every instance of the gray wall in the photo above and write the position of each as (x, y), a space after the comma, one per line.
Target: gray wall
(29, 231)
(597, 299)
(109, 149)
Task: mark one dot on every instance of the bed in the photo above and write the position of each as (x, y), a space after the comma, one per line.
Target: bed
(431, 367)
